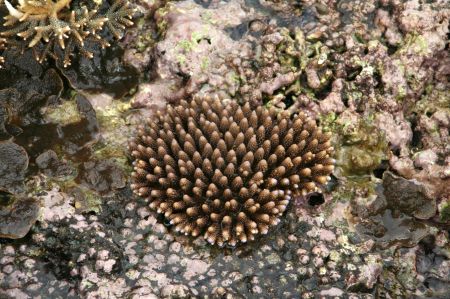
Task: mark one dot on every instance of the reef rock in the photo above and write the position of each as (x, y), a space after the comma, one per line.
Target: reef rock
(16, 219)
(13, 166)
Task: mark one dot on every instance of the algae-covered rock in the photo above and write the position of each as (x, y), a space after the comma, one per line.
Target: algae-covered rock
(105, 73)
(360, 145)
(408, 196)
(103, 176)
(444, 210)
(390, 229)
(50, 165)
(13, 166)
(17, 218)
(20, 100)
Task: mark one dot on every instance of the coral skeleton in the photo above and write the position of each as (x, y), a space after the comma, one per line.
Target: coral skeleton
(226, 171)
(61, 24)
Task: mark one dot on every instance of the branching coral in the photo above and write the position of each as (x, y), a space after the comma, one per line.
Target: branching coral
(2, 47)
(225, 171)
(63, 25)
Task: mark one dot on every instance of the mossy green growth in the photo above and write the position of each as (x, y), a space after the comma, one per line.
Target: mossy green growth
(434, 99)
(414, 44)
(444, 210)
(188, 45)
(64, 114)
(360, 145)
(85, 200)
(89, 202)
(112, 120)
(165, 7)
(364, 147)
(289, 51)
(145, 41)
(205, 63)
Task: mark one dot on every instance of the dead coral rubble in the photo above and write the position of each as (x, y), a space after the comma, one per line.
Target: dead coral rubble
(49, 27)
(226, 171)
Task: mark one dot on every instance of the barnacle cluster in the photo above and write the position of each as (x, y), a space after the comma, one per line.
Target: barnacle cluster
(46, 25)
(224, 171)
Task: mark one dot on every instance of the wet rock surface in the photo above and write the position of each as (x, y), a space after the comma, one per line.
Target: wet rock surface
(408, 196)
(17, 218)
(104, 72)
(102, 176)
(72, 133)
(13, 166)
(19, 102)
(50, 165)
(374, 73)
(165, 264)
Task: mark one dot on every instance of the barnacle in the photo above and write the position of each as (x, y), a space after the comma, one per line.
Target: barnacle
(63, 25)
(224, 171)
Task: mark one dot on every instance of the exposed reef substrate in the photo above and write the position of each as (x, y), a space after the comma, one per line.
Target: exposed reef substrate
(375, 73)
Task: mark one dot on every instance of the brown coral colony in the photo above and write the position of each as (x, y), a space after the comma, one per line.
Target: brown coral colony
(224, 171)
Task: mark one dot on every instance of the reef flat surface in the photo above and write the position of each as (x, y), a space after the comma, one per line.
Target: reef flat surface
(373, 73)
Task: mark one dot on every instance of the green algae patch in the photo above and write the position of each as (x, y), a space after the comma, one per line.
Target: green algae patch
(444, 211)
(360, 145)
(363, 148)
(66, 113)
(414, 44)
(86, 200)
(112, 122)
(435, 99)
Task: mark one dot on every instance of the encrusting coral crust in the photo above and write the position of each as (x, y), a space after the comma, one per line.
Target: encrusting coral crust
(225, 171)
(61, 24)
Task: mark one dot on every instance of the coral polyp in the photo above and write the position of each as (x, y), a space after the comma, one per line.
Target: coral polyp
(226, 171)
(63, 25)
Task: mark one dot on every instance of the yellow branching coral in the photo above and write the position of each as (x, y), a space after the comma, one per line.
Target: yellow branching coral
(62, 24)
